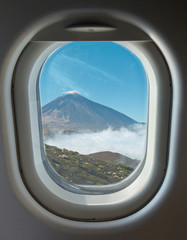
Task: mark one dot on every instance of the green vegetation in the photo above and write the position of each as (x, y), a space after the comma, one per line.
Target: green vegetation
(84, 169)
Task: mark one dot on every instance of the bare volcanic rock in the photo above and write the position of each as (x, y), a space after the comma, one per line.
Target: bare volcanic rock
(74, 113)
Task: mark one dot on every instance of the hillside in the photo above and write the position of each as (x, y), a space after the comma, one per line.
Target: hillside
(85, 169)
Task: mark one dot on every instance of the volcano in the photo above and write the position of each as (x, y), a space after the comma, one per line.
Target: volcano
(75, 113)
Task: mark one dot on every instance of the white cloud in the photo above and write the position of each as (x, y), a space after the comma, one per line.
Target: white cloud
(130, 143)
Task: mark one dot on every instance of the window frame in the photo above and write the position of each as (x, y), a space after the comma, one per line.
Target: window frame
(138, 188)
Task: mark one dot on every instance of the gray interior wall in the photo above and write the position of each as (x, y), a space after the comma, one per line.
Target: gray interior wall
(167, 217)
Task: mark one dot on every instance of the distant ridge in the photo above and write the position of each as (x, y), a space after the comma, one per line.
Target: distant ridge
(74, 113)
(115, 158)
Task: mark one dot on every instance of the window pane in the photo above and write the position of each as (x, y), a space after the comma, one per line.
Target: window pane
(94, 100)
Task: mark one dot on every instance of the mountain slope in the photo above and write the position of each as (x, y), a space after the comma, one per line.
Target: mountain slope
(83, 169)
(72, 113)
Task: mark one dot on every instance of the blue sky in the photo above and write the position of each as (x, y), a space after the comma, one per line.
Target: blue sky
(104, 72)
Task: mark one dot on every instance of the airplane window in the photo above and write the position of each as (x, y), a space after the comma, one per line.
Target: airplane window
(94, 100)
(91, 120)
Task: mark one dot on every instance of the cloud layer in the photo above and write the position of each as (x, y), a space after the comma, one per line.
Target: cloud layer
(130, 143)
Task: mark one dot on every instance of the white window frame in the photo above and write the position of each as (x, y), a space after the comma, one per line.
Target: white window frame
(117, 200)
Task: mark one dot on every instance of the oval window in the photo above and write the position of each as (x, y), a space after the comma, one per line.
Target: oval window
(91, 118)
(94, 98)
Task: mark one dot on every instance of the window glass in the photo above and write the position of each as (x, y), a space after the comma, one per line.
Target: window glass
(94, 101)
